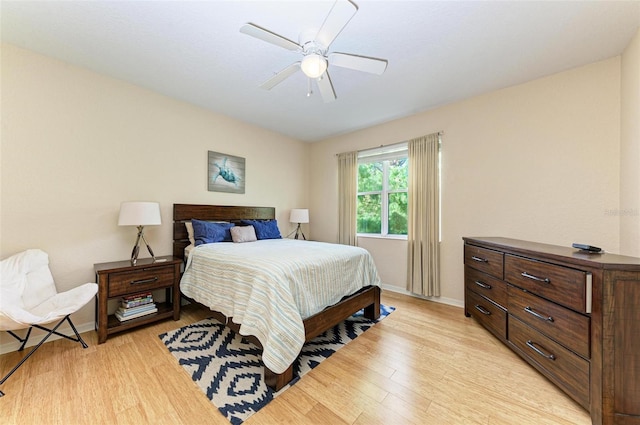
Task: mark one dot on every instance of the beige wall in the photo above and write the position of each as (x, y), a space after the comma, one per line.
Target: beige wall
(75, 144)
(539, 161)
(630, 150)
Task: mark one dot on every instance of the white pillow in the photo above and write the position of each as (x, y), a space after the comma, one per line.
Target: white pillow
(243, 234)
(189, 227)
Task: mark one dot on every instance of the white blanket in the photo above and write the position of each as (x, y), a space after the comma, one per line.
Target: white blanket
(270, 286)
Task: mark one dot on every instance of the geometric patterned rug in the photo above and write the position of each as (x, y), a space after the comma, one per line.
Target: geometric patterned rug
(229, 369)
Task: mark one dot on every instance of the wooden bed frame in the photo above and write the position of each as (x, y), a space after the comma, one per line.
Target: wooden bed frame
(367, 298)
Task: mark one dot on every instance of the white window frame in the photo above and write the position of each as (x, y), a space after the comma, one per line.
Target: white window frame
(383, 154)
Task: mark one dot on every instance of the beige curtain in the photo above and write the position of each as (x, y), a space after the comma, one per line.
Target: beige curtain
(423, 274)
(347, 192)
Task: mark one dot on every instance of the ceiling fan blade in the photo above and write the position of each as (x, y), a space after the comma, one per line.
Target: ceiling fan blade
(268, 36)
(339, 16)
(281, 76)
(359, 63)
(326, 88)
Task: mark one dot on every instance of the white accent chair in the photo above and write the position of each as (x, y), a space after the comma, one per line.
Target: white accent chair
(29, 299)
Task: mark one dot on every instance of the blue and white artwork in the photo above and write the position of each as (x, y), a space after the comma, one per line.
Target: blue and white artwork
(226, 173)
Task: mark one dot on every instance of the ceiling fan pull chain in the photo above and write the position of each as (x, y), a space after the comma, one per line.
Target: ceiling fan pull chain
(309, 91)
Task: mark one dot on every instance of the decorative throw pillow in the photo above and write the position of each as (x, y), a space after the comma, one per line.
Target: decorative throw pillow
(267, 229)
(241, 234)
(208, 232)
(189, 226)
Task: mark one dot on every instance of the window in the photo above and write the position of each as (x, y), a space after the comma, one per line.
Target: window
(382, 191)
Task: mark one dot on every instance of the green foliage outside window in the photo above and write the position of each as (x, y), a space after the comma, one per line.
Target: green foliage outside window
(398, 174)
(369, 213)
(398, 213)
(371, 191)
(370, 177)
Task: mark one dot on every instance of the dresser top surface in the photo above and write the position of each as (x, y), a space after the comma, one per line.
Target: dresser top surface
(556, 252)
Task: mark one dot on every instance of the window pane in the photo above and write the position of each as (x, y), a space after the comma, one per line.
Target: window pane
(398, 213)
(398, 174)
(369, 213)
(370, 177)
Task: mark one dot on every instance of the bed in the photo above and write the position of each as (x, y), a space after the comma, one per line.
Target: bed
(366, 296)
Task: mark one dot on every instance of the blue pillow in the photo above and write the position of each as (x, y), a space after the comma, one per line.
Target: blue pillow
(209, 232)
(265, 229)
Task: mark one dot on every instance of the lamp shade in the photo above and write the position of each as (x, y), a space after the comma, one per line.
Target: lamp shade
(299, 215)
(139, 214)
(313, 65)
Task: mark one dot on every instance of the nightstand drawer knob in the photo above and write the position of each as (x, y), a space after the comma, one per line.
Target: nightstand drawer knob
(138, 282)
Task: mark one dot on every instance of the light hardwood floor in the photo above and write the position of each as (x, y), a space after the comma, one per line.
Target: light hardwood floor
(424, 364)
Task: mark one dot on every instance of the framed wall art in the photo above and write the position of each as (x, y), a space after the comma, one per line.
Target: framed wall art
(226, 173)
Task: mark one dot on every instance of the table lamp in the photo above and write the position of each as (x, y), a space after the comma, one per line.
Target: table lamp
(139, 214)
(299, 215)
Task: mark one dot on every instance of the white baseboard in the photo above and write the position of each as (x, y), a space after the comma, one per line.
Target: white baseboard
(441, 300)
(36, 336)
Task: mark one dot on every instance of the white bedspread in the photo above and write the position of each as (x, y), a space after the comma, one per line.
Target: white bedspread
(270, 286)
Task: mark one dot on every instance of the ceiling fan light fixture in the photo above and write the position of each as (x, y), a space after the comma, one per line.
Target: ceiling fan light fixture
(313, 65)
(314, 46)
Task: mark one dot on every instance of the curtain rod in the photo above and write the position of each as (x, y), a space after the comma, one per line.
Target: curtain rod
(440, 133)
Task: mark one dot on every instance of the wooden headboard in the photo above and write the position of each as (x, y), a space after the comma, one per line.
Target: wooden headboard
(233, 214)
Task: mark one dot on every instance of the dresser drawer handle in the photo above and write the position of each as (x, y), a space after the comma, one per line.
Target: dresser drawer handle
(141, 281)
(483, 310)
(483, 285)
(538, 315)
(536, 278)
(532, 345)
(479, 260)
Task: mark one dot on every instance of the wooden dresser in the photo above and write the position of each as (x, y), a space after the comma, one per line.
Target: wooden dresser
(573, 316)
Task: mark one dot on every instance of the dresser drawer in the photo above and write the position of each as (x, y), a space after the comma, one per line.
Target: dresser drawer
(566, 369)
(568, 287)
(487, 313)
(485, 285)
(565, 326)
(485, 260)
(140, 280)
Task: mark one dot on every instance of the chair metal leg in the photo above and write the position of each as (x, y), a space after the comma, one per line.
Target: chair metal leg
(50, 332)
(76, 339)
(22, 340)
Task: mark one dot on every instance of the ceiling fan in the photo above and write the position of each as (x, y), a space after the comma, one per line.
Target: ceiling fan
(314, 47)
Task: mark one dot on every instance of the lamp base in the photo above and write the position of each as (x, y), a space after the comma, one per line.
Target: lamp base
(136, 247)
(299, 231)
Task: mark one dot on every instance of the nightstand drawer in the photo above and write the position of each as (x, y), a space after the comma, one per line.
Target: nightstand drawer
(144, 279)
(485, 260)
(563, 285)
(565, 326)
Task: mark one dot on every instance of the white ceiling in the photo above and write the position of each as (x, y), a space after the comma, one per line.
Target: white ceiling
(438, 51)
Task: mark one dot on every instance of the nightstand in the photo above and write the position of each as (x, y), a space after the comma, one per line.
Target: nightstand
(119, 279)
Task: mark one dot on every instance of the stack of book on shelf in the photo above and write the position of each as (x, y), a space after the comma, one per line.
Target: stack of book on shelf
(136, 305)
